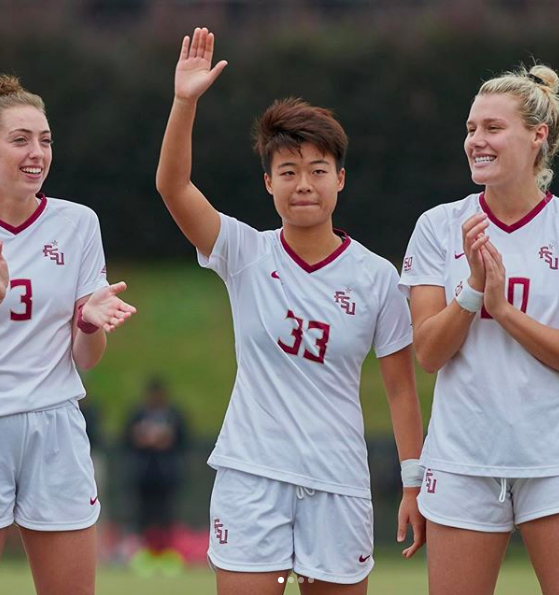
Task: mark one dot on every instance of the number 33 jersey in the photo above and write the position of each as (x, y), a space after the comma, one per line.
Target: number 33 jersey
(496, 407)
(301, 335)
(54, 258)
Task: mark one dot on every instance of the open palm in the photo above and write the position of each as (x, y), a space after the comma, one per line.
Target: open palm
(194, 73)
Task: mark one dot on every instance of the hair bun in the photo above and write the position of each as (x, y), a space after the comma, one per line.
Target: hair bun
(546, 75)
(9, 84)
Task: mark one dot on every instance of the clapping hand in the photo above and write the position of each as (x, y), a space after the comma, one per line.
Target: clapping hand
(105, 310)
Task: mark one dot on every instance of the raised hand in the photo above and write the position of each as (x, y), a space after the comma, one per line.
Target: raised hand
(473, 238)
(4, 275)
(105, 310)
(494, 298)
(194, 73)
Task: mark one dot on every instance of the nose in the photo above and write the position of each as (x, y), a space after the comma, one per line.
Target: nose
(476, 139)
(303, 183)
(36, 150)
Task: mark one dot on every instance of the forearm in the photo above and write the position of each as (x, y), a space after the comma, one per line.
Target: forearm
(539, 340)
(438, 338)
(175, 162)
(88, 349)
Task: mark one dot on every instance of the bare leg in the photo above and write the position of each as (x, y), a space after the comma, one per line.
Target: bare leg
(250, 583)
(3, 536)
(324, 588)
(541, 538)
(463, 562)
(62, 562)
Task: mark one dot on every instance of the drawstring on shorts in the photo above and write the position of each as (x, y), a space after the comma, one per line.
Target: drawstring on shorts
(503, 494)
(301, 491)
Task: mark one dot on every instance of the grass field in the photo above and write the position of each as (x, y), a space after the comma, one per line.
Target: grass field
(183, 331)
(392, 576)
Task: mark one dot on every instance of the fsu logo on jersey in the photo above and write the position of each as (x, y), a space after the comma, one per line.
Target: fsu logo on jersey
(220, 533)
(51, 251)
(343, 299)
(546, 253)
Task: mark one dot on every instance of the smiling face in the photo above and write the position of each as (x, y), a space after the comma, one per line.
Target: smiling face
(501, 150)
(25, 151)
(305, 186)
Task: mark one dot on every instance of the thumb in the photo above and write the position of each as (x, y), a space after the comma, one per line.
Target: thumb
(118, 287)
(218, 69)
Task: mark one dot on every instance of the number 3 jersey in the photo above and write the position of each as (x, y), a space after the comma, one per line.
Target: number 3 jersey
(54, 258)
(301, 335)
(496, 407)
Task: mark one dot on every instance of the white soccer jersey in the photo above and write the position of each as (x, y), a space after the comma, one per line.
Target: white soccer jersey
(496, 407)
(54, 258)
(301, 335)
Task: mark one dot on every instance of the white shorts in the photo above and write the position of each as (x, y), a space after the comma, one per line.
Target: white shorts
(46, 474)
(263, 525)
(488, 504)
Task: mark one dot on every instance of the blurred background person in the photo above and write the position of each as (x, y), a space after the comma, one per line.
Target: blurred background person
(157, 439)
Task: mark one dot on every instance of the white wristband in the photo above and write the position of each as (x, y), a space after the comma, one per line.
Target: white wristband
(468, 298)
(412, 473)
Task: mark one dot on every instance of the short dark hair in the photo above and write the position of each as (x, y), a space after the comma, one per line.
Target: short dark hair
(290, 122)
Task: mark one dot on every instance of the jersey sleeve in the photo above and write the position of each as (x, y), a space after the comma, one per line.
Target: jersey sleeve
(93, 272)
(424, 262)
(393, 329)
(237, 246)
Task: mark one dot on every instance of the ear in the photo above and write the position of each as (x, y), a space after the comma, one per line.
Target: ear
(541, 132)
(268, 183)
(341, 179)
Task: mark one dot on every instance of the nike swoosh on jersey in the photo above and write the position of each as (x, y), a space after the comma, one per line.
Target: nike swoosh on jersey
(93, 501)
(457, 256)
(364, 558)
(275, 275)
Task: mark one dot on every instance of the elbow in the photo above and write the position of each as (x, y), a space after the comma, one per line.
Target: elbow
(86, 364)
(427, 362)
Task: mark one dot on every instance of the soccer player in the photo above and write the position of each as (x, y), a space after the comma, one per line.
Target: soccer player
(55, 308)
(292, 490)
(483, 278)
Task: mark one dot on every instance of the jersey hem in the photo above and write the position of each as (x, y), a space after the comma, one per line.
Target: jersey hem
(216, 563)
(341, 579)
(6, 523)
(46, 526)
(459, 524)
(91, 288)
(489, 471)
(217, 461)
(395, 346)
(538, 514)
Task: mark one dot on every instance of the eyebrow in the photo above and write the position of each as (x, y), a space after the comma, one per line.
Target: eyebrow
(28, 131)
(293, 164)
(487, 121)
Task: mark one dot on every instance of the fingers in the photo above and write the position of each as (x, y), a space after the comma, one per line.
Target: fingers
(185, 47)
(208, 49)
(418, 539)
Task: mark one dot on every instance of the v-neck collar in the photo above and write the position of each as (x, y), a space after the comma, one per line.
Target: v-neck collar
(521, 222)
(311, 268)
(30, 220)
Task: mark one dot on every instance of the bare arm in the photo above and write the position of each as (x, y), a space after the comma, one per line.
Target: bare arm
(399, 381)
(196, 217)
(538, 339)
(439, 330)
(104, 310)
